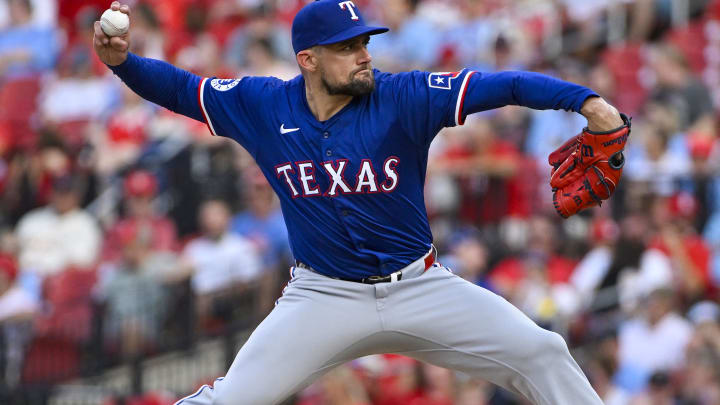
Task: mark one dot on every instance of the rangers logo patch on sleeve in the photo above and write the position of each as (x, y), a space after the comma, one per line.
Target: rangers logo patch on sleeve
(224, 84)
(442, 80)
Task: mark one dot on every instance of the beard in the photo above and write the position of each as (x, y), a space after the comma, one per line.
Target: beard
(355, 86)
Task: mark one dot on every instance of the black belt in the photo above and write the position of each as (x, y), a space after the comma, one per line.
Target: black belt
(429, 260)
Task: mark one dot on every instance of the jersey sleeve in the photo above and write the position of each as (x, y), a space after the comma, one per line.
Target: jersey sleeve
(236, 108)
(428, 102)
(161, 83)
(486, 91)
(233, 108)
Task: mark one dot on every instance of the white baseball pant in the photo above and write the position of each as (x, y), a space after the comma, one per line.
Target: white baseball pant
(435, 317)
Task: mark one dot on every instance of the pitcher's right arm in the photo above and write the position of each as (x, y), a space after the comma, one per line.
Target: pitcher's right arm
(153, 80)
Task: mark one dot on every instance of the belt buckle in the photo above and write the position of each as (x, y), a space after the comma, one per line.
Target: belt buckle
(376, 279)
(391, 278)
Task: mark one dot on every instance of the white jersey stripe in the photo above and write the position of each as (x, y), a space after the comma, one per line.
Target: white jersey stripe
(461, 99)
(201, 93)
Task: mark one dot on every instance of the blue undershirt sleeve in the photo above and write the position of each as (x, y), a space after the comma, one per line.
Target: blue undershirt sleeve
(162, 84)
(528, 89)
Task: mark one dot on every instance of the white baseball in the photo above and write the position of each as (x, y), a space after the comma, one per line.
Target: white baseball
(114, 23)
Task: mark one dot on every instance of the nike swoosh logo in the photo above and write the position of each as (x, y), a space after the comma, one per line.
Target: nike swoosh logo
(284, 130)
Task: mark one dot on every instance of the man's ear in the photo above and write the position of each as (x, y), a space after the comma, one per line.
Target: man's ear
(307, 60)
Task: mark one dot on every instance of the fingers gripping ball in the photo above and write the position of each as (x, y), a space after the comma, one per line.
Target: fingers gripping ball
(587, 168)
(114, 23)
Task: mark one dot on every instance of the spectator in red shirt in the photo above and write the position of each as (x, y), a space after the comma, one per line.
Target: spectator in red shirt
(537, 280)
(439, 386)
(678, 239)
(490, 172)
(541, 250)
(141, 219)
(399, 382)
(126, 134)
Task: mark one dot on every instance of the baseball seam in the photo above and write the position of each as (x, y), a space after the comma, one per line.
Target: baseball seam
(113, 26)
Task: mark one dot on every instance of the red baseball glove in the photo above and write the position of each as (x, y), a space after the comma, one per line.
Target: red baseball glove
(587, 168)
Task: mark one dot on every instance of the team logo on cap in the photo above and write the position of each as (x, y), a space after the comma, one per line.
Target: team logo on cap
(224, 84)
(350, 6)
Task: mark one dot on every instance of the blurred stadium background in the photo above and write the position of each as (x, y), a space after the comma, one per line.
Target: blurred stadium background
(137, 252)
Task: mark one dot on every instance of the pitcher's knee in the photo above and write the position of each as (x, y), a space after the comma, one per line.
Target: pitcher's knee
(552, 344)
(542, 348)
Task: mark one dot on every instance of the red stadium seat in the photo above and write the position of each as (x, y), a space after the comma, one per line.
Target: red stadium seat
(625, 62)
(55, 353)
(691, 41)
(18, 104)
(51, 360)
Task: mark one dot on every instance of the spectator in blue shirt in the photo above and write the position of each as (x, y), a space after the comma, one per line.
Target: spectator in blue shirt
(26, 49)
(398, 49)
(262, 222)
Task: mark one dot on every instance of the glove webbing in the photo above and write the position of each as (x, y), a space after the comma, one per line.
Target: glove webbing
(602, 181)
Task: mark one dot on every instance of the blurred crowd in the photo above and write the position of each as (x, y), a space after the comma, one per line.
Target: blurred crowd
(127, 230)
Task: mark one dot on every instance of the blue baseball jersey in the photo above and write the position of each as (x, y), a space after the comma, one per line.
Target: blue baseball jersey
(350, 188)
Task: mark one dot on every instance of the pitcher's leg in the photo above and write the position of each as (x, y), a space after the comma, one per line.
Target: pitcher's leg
(471, 329)
(309, 332)
(203, 395)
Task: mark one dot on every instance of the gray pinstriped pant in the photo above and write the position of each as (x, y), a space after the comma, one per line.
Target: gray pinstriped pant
(436, 317)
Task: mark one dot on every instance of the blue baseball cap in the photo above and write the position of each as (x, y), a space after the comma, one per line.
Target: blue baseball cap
(325, 22)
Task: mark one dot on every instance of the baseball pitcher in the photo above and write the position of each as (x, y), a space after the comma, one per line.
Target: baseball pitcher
(345, 148)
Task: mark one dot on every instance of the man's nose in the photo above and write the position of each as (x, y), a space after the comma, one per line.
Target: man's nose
(365, 57)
